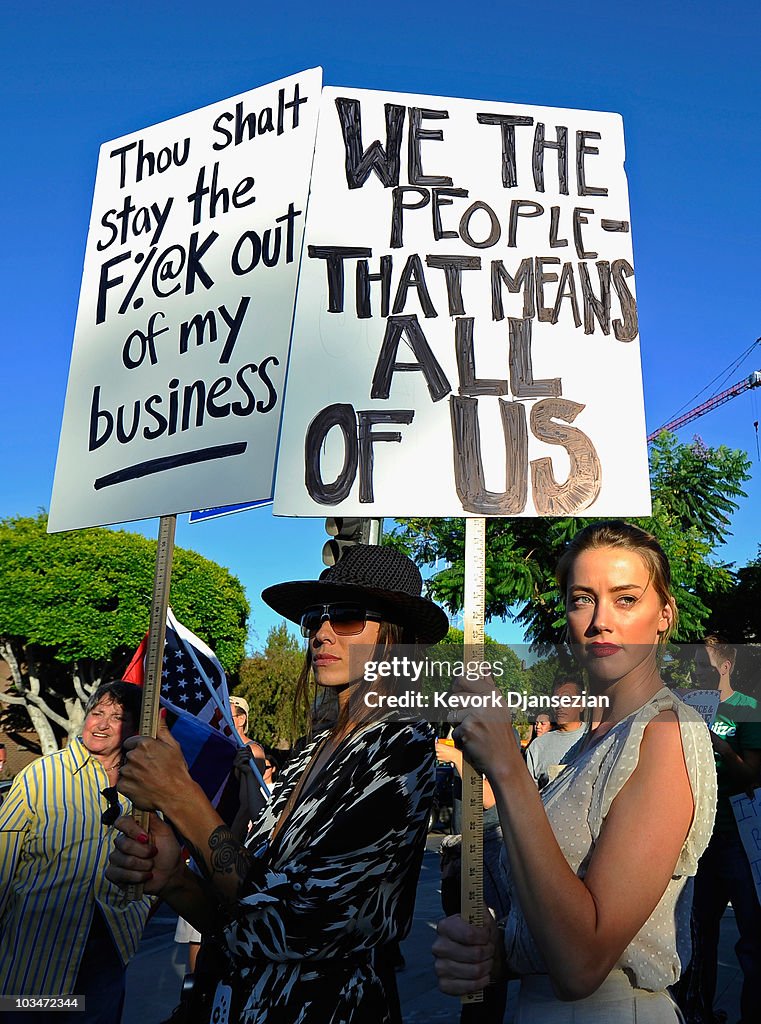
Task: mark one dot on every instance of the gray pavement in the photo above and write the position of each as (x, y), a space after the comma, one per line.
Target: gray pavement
(154, 977)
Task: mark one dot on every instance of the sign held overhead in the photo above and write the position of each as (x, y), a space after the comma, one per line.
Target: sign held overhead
(181, 341)
(466, 335)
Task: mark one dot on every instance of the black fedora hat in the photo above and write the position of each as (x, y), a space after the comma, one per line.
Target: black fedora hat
(378, 577)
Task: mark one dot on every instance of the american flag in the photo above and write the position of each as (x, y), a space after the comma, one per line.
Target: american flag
(194, 691)
(192, 680)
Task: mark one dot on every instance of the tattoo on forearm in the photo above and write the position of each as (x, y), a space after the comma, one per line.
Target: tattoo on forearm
(227, 856)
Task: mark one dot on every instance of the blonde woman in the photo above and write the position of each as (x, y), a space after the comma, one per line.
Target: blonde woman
(597, 864)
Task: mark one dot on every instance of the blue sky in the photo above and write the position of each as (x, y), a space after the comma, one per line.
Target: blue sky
(685, 77)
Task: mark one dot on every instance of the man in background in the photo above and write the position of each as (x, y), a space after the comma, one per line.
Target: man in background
(724, 872)
(239, 708)
(545, 754)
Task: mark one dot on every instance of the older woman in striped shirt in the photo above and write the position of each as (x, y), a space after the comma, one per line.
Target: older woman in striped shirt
(67, 929)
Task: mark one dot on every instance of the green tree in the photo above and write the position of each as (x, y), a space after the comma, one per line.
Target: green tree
(542, 674)
(268, 682)
(512, 675)
(736, 613)
(74, 606)
(452, 649)
(694, 489)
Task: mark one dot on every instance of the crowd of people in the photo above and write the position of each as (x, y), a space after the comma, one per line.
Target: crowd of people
(595, 836)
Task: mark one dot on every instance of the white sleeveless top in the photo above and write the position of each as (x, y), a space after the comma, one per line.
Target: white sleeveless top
(577, 803)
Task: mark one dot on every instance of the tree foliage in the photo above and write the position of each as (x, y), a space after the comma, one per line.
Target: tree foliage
(542, 674)
(737, 612)
(268, 682)
(695, 489)
(74, 606)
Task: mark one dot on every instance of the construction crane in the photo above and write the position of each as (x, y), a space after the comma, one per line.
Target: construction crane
(753, 381)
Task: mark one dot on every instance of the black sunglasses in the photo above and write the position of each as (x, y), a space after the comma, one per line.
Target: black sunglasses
(113, 811)
(345, 619)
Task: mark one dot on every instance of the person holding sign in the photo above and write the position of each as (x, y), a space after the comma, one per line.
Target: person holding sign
(328, 874)
(597, 863)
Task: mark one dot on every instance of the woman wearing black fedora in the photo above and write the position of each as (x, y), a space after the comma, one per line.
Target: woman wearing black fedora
(328, 874)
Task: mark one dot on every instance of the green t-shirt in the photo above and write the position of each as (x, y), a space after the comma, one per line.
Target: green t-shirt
(737, 721)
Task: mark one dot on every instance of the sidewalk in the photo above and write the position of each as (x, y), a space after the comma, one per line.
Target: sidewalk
(155, 975)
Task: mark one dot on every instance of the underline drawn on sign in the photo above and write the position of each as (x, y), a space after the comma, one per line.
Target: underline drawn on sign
(220, 451)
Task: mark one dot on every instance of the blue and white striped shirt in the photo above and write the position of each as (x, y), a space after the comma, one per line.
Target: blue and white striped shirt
(53, 856)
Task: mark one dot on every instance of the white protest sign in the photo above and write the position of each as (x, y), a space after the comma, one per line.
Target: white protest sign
(465, 337)
(748, 817)
(182, 333)
(705, 702)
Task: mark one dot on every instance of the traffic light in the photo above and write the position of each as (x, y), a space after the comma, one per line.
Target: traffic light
(347, 532)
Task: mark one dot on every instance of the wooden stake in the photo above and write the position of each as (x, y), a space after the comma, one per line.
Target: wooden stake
(472, 877)
(154, 655)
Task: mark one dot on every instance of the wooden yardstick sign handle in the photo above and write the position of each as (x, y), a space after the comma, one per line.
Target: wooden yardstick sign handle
(154, 655)
(472, 879)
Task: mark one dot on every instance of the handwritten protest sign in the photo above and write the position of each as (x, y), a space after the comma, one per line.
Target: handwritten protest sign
(181, 341)
(748, 817)
(466, 336)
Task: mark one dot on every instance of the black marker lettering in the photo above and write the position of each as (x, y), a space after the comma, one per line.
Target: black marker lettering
(217, 390)
(334, 256)
(594, 307)
(471, 385)
(453, 267)
(398, 205)
(507, 123)
(578, 220)
(396, 326)
(363, 279)
(567, 290)
(384, 162)
(265, 406)
(555, 242)
(517, 208)
(627, 328)
(413, 276)
(524, 278)
(368, 437)
(522, 383)
(415, 174)
(470, 482)
(585, 474)
(542, 312)
(444, 197)
(582, 151)
(495, 230)
(537, 157)
(342, 417)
